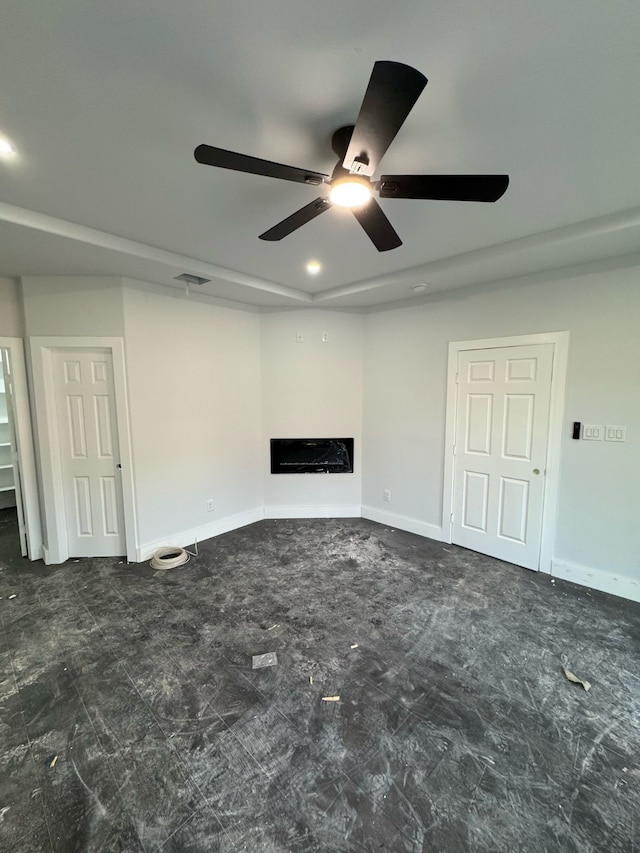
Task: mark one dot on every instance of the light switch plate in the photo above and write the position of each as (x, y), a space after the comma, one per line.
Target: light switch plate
(615, 433)
(592, 432)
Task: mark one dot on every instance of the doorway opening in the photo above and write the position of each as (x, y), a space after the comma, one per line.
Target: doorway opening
(19, 511)
(9, 523)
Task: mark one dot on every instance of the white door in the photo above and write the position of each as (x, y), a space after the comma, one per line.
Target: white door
(11, 445)
(88, 436)
(502, 423)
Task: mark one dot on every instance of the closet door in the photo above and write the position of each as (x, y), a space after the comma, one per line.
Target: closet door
(89, 451)
(502, 427)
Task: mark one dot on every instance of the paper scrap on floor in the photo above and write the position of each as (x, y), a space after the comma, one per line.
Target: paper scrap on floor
(571, 677)
(260, 661)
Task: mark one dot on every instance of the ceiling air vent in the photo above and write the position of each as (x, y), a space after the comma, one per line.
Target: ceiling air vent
(191, 279)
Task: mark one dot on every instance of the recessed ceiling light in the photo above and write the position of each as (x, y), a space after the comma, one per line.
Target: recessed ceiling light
(314, 267)
(6, 148)
(419, 288)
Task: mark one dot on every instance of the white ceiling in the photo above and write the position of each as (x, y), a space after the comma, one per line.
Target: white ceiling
(105, 103)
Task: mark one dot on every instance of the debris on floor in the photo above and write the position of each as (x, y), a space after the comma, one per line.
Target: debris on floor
(260, 661)
(574, 678)
(170, 558)
(330, 698)
(52, 760)
(354, 645)
(3, 812)
(277, 625)
(12, 596)
(310, 679)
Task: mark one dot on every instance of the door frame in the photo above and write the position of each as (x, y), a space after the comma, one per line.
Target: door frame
(560, 341)
(42, 351)
(26, 452)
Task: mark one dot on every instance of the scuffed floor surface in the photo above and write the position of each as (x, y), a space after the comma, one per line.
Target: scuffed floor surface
(131, 719)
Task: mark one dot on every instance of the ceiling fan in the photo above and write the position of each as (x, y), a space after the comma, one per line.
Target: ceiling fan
(391, 94)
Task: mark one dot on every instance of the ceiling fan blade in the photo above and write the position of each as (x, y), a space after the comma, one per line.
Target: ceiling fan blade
(392, 91)
(210, 156)
(377, 227)
(297, 219)
(445, 187)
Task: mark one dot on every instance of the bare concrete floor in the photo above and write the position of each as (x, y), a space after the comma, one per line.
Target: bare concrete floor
(131, 719)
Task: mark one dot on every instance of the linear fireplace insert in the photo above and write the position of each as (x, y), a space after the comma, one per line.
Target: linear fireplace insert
(311, 455)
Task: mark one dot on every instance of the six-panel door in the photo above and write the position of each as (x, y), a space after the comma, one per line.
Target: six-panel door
(502, 422)
(87, 428)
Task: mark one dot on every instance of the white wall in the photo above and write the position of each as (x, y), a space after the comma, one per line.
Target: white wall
(193, 372)
(312, 389)
(73, 305)
(405, 394)
(210, 385)
(11, 319)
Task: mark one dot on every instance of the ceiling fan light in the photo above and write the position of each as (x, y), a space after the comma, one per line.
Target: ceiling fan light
(6, 148)
(350, 192)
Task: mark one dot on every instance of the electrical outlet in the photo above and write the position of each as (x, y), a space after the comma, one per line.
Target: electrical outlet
(386, 495)
(325, 337)
(210, 505)
(299, 338)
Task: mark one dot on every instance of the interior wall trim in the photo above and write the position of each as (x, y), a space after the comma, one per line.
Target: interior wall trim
(596, 579)
(186, 538)
(313, 511)
(403, 522)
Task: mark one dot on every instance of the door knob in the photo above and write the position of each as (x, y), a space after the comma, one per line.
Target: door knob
(536, 470)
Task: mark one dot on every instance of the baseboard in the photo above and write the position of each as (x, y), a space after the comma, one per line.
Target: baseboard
(207, 531)
(38, 554)
(312, 511)
(597, 579)
(232, 522)
(403, 522)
